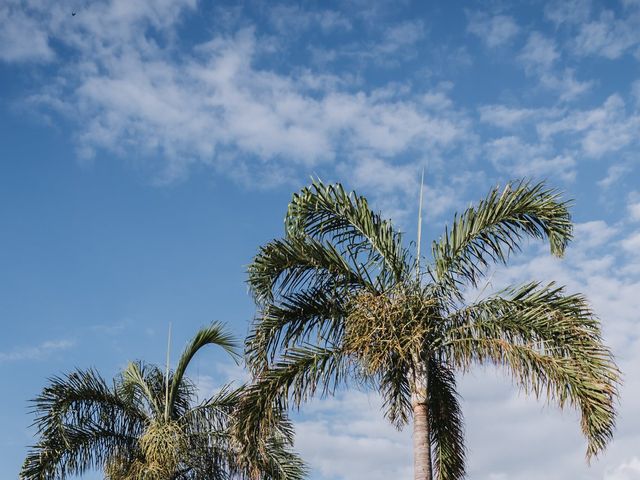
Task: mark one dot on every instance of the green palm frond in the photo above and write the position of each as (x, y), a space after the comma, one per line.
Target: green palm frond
(279, 462)
(329, 212)
(490, 231)
(395, 388)
(211, 335)
(296, 319)
(551, 344)
(297, 376)
(285, 266)
(446, 424)
(303, 372)
(143, 385)
(76, 450)
(81, 422)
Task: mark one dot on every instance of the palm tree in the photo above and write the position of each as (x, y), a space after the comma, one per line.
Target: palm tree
(341, 299)
(145, 426)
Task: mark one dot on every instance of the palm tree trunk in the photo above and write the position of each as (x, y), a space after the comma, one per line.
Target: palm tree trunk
(421, 444)
(422, 468)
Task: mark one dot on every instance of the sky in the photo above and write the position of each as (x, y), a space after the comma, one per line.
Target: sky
(148, 148)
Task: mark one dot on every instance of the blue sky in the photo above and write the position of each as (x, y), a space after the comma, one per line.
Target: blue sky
(148, 148)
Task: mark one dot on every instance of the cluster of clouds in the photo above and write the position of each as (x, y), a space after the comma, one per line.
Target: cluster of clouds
(122, 74)
(129, 82)
(128, 87)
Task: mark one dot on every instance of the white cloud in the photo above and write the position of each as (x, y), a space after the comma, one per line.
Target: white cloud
(517, 158)
(376, 175)
(635, 91)
(505, 117)
(593, 234)
(632, 243)
(38, 352)
(539, 57)
(568, 11)
(21, 37)
(347, 437)
(629, 470)
(565, 84)
(609, 36)
(634, 211)
(540, 52)
(400, 36)
(614, 173)
(288, 19)
(494, 30)
(601, 130)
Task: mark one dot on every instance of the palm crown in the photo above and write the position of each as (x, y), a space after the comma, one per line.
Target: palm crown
(341, 298)
(146, 426)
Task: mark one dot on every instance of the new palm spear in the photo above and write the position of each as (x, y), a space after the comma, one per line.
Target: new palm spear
(341, 300)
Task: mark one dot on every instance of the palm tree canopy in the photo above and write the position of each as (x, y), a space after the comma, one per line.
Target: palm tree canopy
(340, 299)
(146, 425)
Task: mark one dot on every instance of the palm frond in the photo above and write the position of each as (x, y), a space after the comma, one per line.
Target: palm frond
(142, 384)
(297, 376)
(395, 389)
(446, 424)
(346, 220)
(294, 320)
(494, 228)
(81, 422)
(285, 266)
(74, 450)
(305, 371)
(211, 335)
(279, 462)
(551, 344)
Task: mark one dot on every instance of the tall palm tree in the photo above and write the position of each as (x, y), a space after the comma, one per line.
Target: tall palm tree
(145, 425)
(342, 299)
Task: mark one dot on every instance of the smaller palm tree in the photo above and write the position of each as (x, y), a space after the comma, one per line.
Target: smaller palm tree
(146, 425)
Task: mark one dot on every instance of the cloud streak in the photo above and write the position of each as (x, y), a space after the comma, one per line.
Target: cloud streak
(38, 352)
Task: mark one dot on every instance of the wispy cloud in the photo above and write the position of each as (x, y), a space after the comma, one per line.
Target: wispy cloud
(288, 19)
(519, 159)
(634, 211)
(37, 352)
(628, 470)
(609, 36)
(539, 57)
(568, 11)
(21, 37)
(494, 30)
(601, 130)
(614, 173)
